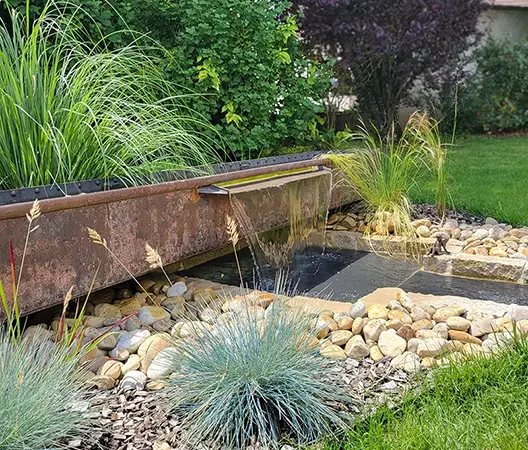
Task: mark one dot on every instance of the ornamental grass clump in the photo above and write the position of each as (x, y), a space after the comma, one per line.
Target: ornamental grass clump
(252, 380)
(41, 392)
(71, 110)
(383, 169)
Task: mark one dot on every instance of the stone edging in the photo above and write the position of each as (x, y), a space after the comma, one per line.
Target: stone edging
(457, 263)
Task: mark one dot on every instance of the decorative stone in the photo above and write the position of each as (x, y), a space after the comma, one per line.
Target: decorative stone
(498, 252)
(412, 344)
(403, 317)
(153, 345)
(421, 222)
(119, 354)
(150, 314)
(405, 300)
(490, 221)
(406, 332)
(358, 309)
(333, 352)
(481, 233)
(423, 231)
(358, 324)
(442, 314)
(94, 321)
(108, 342)
(341, 337)
(480, 327)
(132, 363)
(111, 369)
(428, 362)
(132, 324)
(209, 314)
(102, 382)
(464, 337)
(375, 353)
(426, 334)
(162, 364)
(517, 313)
(177, 289)
(129, 306)
(204, 295)
(471, 349)
(373, 329)
(418, 313)
(133, 380)
(394, 324)
(356, 348)
(431, 347)
(110, 313)
(345, 323)
(377, 312)
(391, 344)
(133, 340)
(441, 329)
(423, 324)
(408, 361)
(458, 323)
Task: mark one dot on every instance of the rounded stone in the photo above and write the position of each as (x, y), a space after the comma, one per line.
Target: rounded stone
(464, 337)
(375, 353)
(458, 323)
(150, 314)
(358, 324)
(345, 323)
(356, 348)
(408, 361)
(377, 312)
(133, 380)
(341, 337)
(391, 344)
(373, 329)
(442, 314)
(357, 309)
(111, 369)
(132, 363)
(333, 352)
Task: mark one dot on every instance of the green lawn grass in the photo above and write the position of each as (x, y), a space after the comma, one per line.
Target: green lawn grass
(479, 405)
(487, 176)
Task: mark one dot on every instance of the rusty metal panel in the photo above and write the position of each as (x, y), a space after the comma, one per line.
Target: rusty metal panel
(179, 223)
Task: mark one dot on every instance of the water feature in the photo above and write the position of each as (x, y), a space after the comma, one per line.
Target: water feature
(306, 197)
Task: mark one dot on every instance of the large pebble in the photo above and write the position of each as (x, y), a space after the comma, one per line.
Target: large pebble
(391, 344)
(356, 348)
(373, 329)
(177, 289)
(357, 309)
(111, 369)
(163, 363)
(150, 314)
(341, 337)
(133, 380)
(442, 314)
(458, 323)
(110, 313)
(333, 352)
(377, 312)
(408, 361)
(464, 337)
(431, 347)
(132, 341)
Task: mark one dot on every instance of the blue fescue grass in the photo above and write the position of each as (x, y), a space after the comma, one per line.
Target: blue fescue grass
(253, 380)
(39, 389)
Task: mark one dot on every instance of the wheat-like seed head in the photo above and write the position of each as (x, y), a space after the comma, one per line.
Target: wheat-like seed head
(68, 298)
(34, 212)
(232, 230)
(153, 257)
(96, 237)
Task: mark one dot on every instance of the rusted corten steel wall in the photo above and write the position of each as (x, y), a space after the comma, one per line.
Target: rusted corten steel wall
(171, 217)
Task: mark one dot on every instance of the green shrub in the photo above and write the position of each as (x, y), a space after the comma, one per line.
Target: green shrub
(245, 56)
(39, 391)
(251, 379)
(69, 112)
(495, 98)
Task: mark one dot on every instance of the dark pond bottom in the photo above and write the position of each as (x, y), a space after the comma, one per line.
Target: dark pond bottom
(347, 275)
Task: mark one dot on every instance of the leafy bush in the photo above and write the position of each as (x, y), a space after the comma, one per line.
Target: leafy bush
(252, 379)
(245, 56)
(495, 98)
(40, 388)
(69, 112)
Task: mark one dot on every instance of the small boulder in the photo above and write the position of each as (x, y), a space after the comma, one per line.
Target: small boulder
(133, 380)
(152, 313)
(357, 309)
(442, 314)
(333, 352)
(373, 329)
(341, 337)
(391, 344)
(377, 312)
(356, 348)
(408, 361)
(464, 337)
(163, 363)
(458, 323)
(431, 347)
(406, 332)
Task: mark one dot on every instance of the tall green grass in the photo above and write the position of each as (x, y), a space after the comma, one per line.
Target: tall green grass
(383, 169)
(481, 404)
(253, 379)
(71, 111)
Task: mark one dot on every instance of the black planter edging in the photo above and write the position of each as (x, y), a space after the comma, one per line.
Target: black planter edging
(9, 197)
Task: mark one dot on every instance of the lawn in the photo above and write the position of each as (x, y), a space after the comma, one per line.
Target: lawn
(487, 176)
(479, 405)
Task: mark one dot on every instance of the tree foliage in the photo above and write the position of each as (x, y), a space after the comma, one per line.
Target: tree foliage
(243, 57)
(387, 45)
